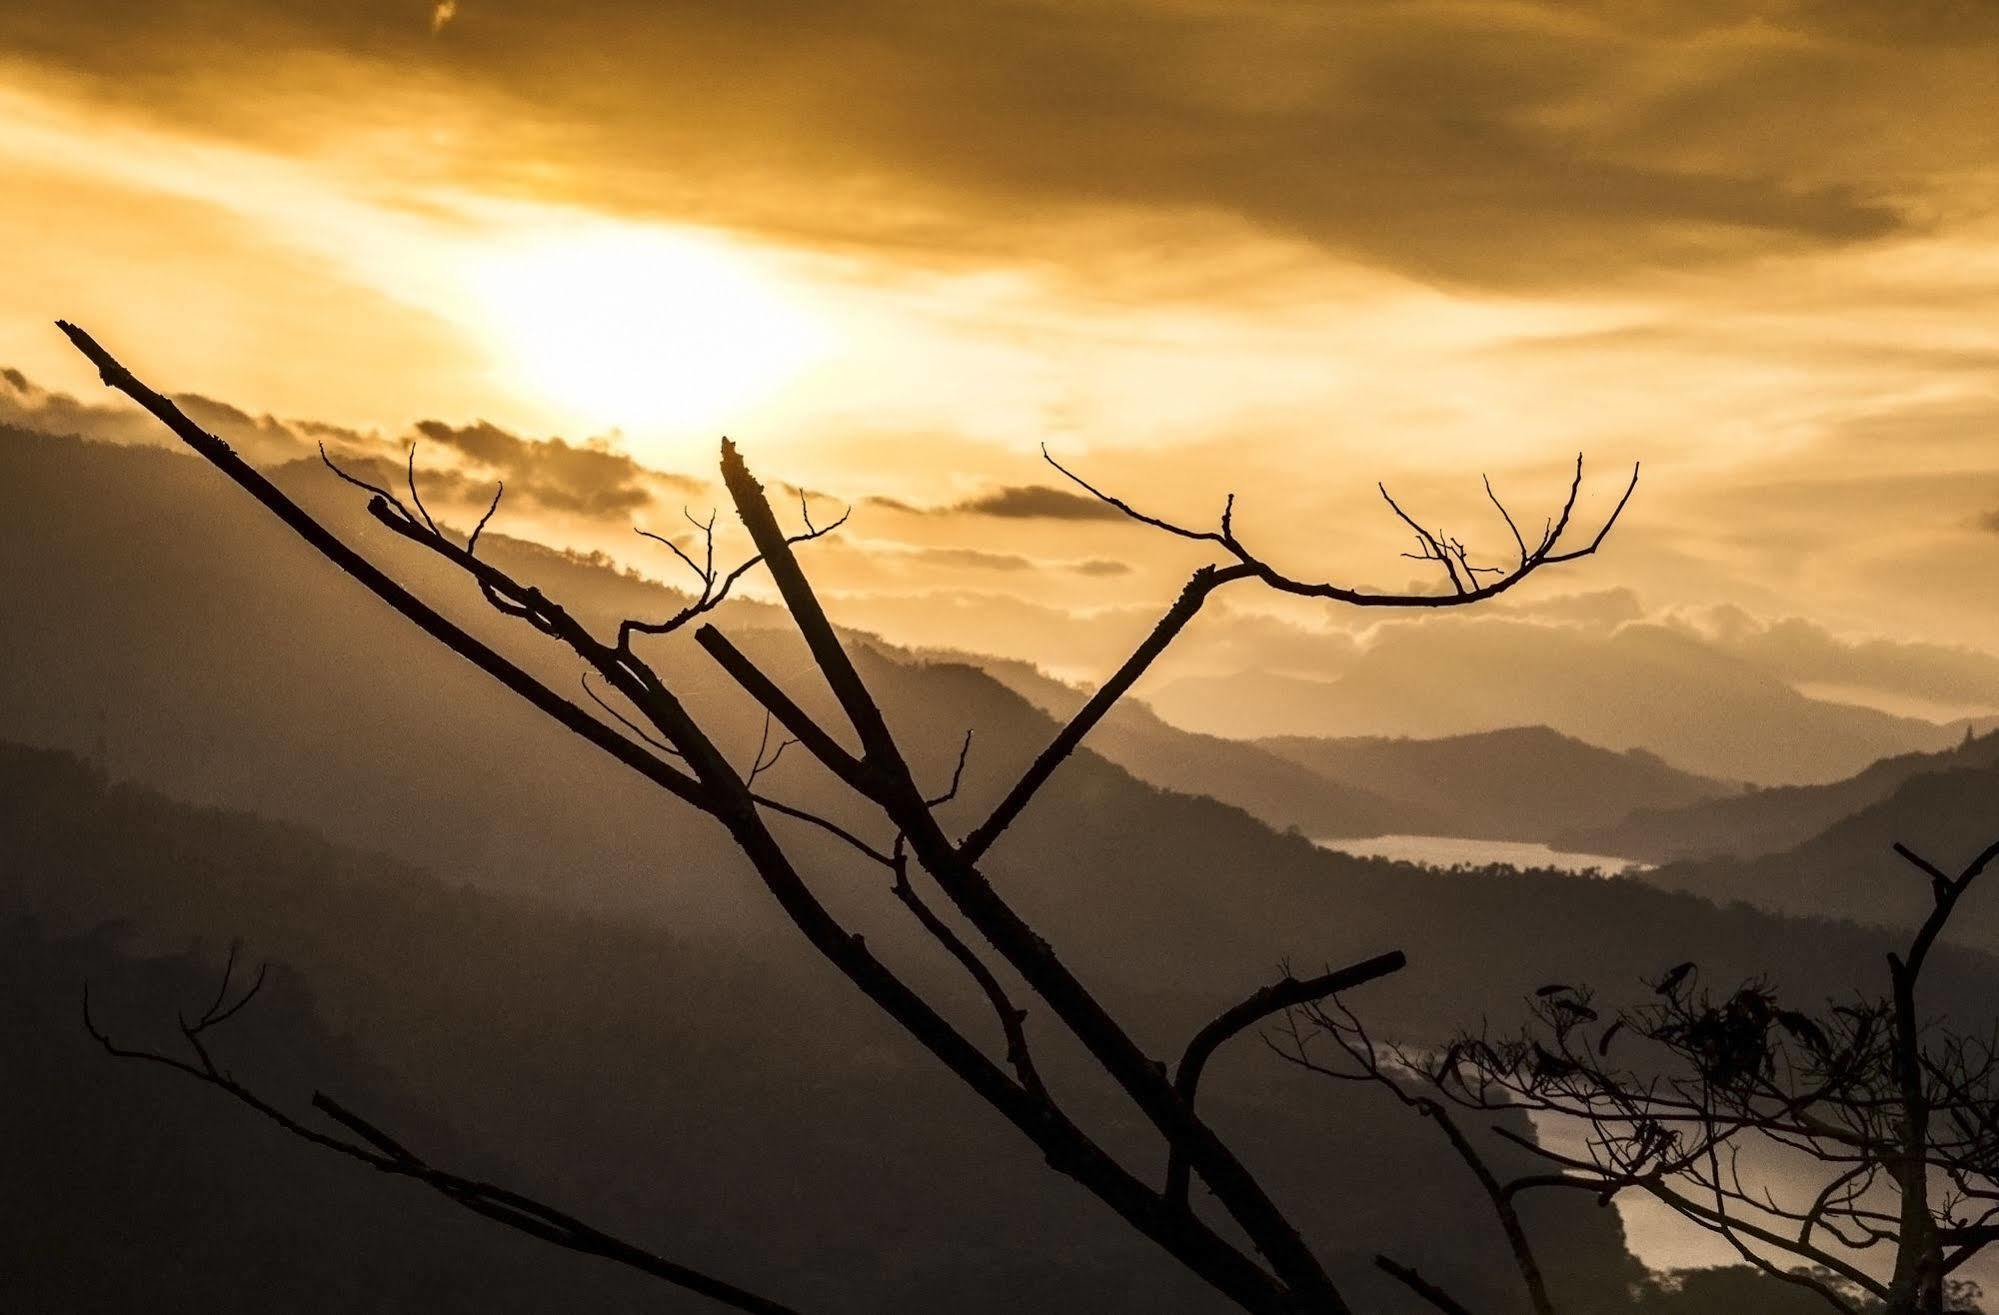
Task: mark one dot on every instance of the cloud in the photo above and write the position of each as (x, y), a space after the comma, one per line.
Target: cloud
(1989, 521)
(1803, 652)
(1101, 567)
(254, 434)
(589, 479)
(1036, 501)
(1015, 502)
(562, 476)
(28, 406)
(439, 486)
(1598, 607)
(1701, 707)
(981, 559)
(975, 557)
(1486, 143)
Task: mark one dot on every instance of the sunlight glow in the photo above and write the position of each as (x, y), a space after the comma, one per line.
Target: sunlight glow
(637, 328)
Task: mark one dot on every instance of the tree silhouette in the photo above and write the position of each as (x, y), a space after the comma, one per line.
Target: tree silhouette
(655, 734)
(1894, 1115)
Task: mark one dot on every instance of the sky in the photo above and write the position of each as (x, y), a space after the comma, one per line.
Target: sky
(1281, 250)
(1277, 249)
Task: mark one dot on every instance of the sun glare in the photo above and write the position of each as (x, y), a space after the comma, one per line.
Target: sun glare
(635, 328)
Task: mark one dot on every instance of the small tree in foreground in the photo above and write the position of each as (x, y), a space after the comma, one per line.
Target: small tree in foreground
(1887, 1120)
(651, 731)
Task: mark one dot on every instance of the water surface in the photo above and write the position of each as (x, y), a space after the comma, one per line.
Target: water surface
(1456, 851)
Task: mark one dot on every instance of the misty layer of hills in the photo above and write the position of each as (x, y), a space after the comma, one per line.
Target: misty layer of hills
(1524, 783)
(1643, 686)
(1518, 783)
(1945, 805)
(1756, 822)
(516, 951)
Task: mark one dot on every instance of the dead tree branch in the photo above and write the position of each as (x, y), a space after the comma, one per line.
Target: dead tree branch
(1248, 566)
(385, 1154)
(1893, 1106)
(1277, 1272)
(1421, 1286)
(1268, 1000)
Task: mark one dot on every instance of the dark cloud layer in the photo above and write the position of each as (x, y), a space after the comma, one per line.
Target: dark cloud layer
(587, 479)
(1030, 501)
(557, 474)
(1101, 567)
(1016, 502)
(1491, 143)
(260, 438)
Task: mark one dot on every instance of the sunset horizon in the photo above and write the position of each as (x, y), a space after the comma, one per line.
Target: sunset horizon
(749, 637)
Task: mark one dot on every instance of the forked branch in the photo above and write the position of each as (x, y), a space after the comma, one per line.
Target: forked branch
(665, 742)
(1438, 546)
(1246, 565)
(386, 1154)
(1292, 1282)
(714, 586)
(1273, 999)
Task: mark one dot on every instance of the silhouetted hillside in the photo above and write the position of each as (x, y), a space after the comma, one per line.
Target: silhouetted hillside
(709, 1096)
(1519, 783)
(230, 667)
(1269, 786)
(1766, 821)
(1947, 814)
(1522, 783)
(706, 1094)
(130, 1189)
(603, 984)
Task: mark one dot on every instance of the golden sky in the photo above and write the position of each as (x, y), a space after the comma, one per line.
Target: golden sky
(1283, 249)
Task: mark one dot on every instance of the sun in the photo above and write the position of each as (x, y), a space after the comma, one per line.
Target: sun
(637, 328)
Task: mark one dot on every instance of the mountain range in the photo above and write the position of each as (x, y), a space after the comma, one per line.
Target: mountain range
(1637, 686)
(354, 801)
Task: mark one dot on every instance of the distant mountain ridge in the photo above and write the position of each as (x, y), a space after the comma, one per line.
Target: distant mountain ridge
(1271, 787)
(1946, 809)
(1640, 686)
(1767, 821)
(1520, 783)
(582, 1055)
(174, 623)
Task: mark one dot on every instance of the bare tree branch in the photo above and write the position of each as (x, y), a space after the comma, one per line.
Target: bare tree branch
(883, 774)
(714, 589)
(429, 620)
(1421, 1286)
(385, 1154)
(1246, 567)
(1267, 1000)
(1012, 1020)
(1283, 1276)
(1886, 1101)
(1295, 1281)
(1256, 567)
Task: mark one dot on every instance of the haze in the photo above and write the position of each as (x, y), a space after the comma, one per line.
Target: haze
(904, 254)
(1195, 248)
